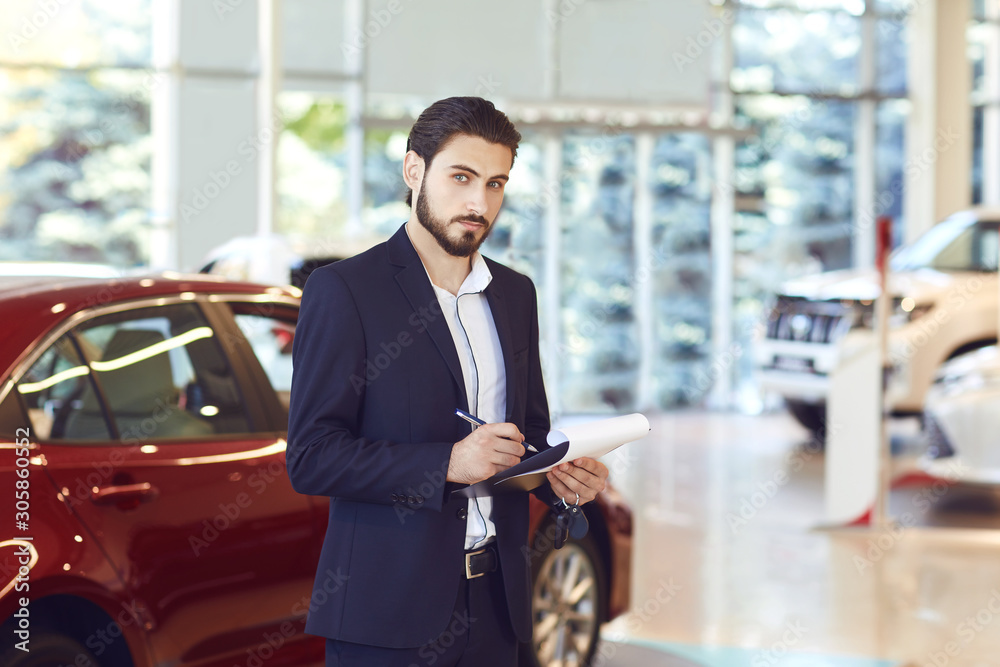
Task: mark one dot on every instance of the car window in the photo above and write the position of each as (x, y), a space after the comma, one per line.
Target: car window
(163, 375)
(58, 392)
(953, 245)
(12, 419)
(270, 333)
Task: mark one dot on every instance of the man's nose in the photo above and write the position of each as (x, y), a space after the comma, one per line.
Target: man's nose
(477, 202)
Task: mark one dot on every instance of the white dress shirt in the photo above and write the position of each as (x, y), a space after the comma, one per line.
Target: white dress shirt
(475, 334)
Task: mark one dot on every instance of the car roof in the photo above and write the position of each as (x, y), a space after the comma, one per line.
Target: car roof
(37, 303)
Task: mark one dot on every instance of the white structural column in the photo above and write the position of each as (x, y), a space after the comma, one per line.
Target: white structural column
(354, 63)
(269, 120)
(205, 169)
(939, 130)
(723, 216)
(644, 271)
(164, 101)
(550, 310)
(865, 212)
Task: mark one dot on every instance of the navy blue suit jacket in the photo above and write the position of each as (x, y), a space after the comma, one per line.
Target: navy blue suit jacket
(376, 381)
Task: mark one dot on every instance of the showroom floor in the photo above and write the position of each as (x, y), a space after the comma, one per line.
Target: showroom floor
(712, 588)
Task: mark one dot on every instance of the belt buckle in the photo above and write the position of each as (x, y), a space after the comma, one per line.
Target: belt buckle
(468, 563)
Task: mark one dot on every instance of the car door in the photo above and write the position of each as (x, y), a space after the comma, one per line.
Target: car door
(266, 333)
(156, 439)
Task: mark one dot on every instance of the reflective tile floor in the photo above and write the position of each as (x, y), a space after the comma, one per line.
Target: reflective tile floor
(766, 587)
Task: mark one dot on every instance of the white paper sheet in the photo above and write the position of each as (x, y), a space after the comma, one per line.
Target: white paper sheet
(595, 439)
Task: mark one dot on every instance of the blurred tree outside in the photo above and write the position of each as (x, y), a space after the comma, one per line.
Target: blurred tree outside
(75, 140)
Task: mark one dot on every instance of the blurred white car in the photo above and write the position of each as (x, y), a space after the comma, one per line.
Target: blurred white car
(962, 419)
(944, 304)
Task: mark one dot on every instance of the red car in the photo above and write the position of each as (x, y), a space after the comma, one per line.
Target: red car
(147, 516)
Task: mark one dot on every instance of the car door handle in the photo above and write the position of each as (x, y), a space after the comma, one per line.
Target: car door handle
(121, 494)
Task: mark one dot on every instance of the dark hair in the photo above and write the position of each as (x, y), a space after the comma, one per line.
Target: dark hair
(459, 115)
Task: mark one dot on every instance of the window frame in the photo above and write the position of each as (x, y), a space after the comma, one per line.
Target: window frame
(271, 407)
(215, 316)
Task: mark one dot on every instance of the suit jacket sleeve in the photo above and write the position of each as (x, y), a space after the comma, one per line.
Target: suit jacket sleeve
(326, 456)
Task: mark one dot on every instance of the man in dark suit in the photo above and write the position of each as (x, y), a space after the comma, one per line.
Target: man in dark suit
(388, 344)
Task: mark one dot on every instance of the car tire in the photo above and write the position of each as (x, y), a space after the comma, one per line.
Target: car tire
(564, 631)
(810, 415)
(49, 650)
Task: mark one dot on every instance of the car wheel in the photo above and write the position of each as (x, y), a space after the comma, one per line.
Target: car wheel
(49, 650)
(567, 602)
(810, 415)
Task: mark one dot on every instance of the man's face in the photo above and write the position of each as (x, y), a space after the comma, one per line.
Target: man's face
(461, 193)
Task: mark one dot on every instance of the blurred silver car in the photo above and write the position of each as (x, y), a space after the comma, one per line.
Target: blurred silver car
(962, 419)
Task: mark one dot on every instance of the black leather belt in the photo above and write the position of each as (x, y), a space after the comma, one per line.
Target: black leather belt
(481, 561)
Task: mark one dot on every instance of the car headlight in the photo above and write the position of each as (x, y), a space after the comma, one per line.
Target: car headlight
(907, 310)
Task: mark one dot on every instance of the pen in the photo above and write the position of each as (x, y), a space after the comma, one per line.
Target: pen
(472, 419)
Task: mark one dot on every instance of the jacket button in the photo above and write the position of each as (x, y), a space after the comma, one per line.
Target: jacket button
(394, 497)
(411, 500)
(461, 514)
(420, 499)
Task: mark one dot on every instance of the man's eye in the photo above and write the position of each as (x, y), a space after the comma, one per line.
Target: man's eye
(461, 177)
(496, 185)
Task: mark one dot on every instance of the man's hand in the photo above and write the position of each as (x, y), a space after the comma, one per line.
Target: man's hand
(585, 476)
(489, 449)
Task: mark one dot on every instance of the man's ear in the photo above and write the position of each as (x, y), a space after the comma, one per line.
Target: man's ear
(413, 170)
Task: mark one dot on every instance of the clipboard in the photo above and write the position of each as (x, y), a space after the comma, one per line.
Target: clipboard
(591, 439)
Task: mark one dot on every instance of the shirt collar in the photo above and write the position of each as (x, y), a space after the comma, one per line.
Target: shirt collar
(479, 277)
(477, 280)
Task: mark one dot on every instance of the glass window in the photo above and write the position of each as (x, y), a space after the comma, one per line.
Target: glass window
(270, 335)
(682, 268)
(312, 170)
(953, 245)
(802, 164)
(385, 206)
(75, 178)
(600, 355)
(519, 229)
(83, 33)
(892, 41)
(163, 374)
(12, 418)
(58, 392)
(890, 157)
(786, 50)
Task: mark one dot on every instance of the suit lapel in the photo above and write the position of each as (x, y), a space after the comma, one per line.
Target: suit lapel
(498, 306)
(415, 284)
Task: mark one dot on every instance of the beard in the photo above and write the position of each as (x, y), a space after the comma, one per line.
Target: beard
(463, 246)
